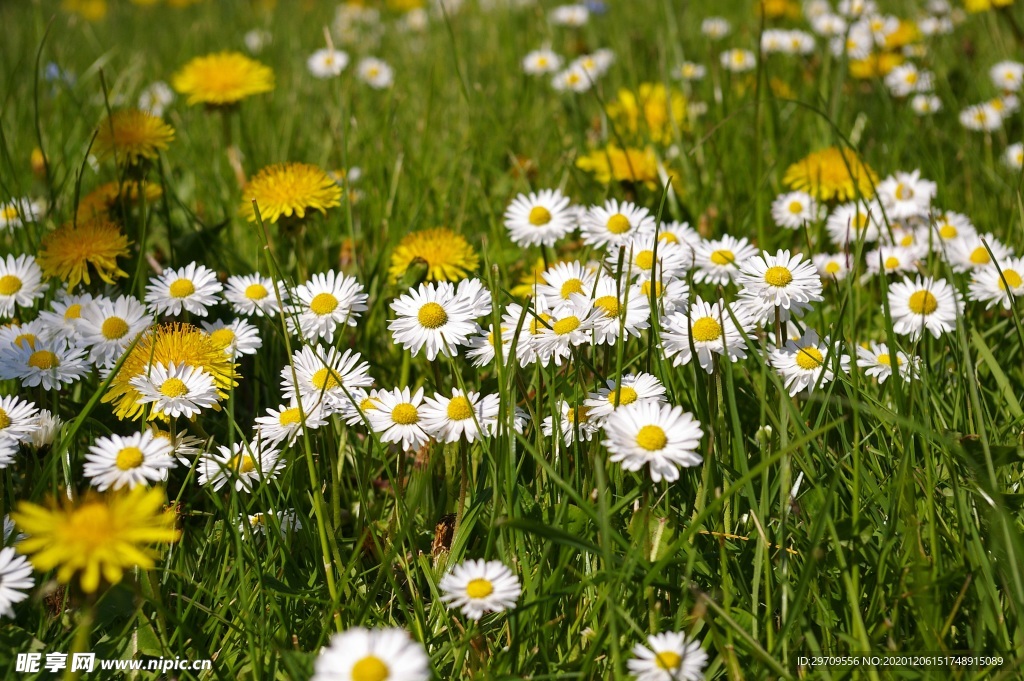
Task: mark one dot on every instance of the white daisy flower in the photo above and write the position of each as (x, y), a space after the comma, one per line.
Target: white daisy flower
(857, 43)
(1013, 157)
(539, 62)
(570, 15)
(627, 311)
(993, 287)
(61, 321)
(322, 303)
(855, 221)
(376, 73)
(710, 329)
(781, 284)
(176, 390)
(595, 64)
(682, 234)
(892, 260)
(354, 410)
(633, 388)
(876, 360)
(660, 436)
(718, 260)
(691, 71)
(242, 466)
(774, 41)
(646, 257)
(857, 8)
(434, 317)
(8, 452)
(21, 283)
(573, 79)
(573, 422)
(481, 350)
(398, 417)
(47, 426)
(18, 212)
(17, 418)
(184, 447)
(155, 98)
(793, 210)
(477, 587)
(327, 62)
(563, 280)
(473, 292)
(906, 195)
(317, 373)
(668, 296)
(447, 419)
(669, 656)
(1007, 75)
(107, 327)
(15, 580)
(808, 362)
(253, 294)
(949, 226)
(46, 364)
(115, 462)
(261, 523)
(285, 423)
(256, 39)
(981, 118)
(192, 288)
(715, 28)
(360, 654)
(800, 42)
(924, 304)
(738, 60)
(533, 319)
(614, 223)
(906, 79)
(237, 337)
(569, 326)
(539, 219)
(925, 104)
(829, 25)
(971, 252)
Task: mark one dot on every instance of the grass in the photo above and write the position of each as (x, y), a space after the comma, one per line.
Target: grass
(905, 535)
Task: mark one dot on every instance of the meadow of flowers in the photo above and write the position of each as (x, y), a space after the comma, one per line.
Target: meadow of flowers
(509, 339)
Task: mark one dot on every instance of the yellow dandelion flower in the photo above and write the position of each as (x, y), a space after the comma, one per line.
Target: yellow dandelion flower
(67, 252)
(130, 135)
(97, 536)
(875, 66)
(222, 79)
(101, 201)
(906, 34)
(168, 344)
(629, 165)
(975, 6)
(652, 112)
(832, 174)
(90, 10)
(448, 256)
(779, 9)
(288, 189)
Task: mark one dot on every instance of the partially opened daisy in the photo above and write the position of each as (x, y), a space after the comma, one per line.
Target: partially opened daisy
(718, 260)
(463, 415)
(1000, 286)
(286, 423)
(15, 579)
(572, 423)
(614, 223)
(808, 362)
(360, 654)
(260, 523)
(432, 317)
(47, 364)
(176, 390)
(669, 656)
(254, 294)
(237, 337)
(877, 360)
(140, 459)
(107, 327)
(793, 210)
(924, 304)
(324, 302)
(710, 330)
(779, 286)
(539, 219)
(191, 288)
(243, 465)
(398, 418)
(660, 436)
(640, 387)
(316, 373)
(482, 350)
(478, 587)
(21, 283)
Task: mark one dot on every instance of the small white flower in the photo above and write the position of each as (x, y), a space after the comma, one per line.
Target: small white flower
(49, 365)
(156, 98)
(432, 317)
(322, 303)
(710, 329)
(569, 326)
(176, 390)
(924, 304)
(327, 63)
(376, 73)
(242, 466)
(21, 283)
(469, 416)
(853, 222)
(981, 118)
(925, 105)
(876, 360)
(1000, 286)
(570, 15)
(237, 337)
(1013, 157)
(18, 419)
(115, 462)
(563, 280)
(718, 260)
(539, 62)
(378, 654)
(633, 388)
(316, 373)
(971, 251)
(660, 436)
(808, 362)
(398, 418)
(573, 79)
(622, 309)
(669, 656)
(64, 317)
(1007, 75)
(107, 327)
(573, 422)
(738, 61)
(780, 284)
(253, 294)
(15, 580)
(192, 288)
(262, 523)
(614, 223)
(906, 195)
(285, 423)
(832, 266)
(715, 28)
(794, 210)
(477, 587)
(539, 219)
(691, 71)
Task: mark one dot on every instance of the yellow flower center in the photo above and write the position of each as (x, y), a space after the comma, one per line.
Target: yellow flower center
(222, 337)
(242, 463)
(887, 360)
(706, 329)
(459, 409)
(903, 192)
(28, 339)
(9, 285)
(289, 417)
(535, 324)
(91, 527)
(645, 260)
(922, 302)
(667, 660)
(370, 668)
(651, 438)
(567, 325)
(795, 207)
(948, 232)
(645, 288)
(570, 287)
(43, 359)
(668, 237)
(405, 414)
(432, 316)
(723, 257)
(979, 256)
(323, 304)
(74, 311)
(539, 216)
(324, 379)
(256, 292)
(832, 267)
(809, 358)
(892, 262)
(182, 288)
(618, 224)
(778, 276)
(114, 328)
(5, 420)
(479, 588)
(610, 305)
(174, 387)
(626, 395)
(129, 458)
(367, 404)
(1012, 278)
(578, 415)
(860, 221)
